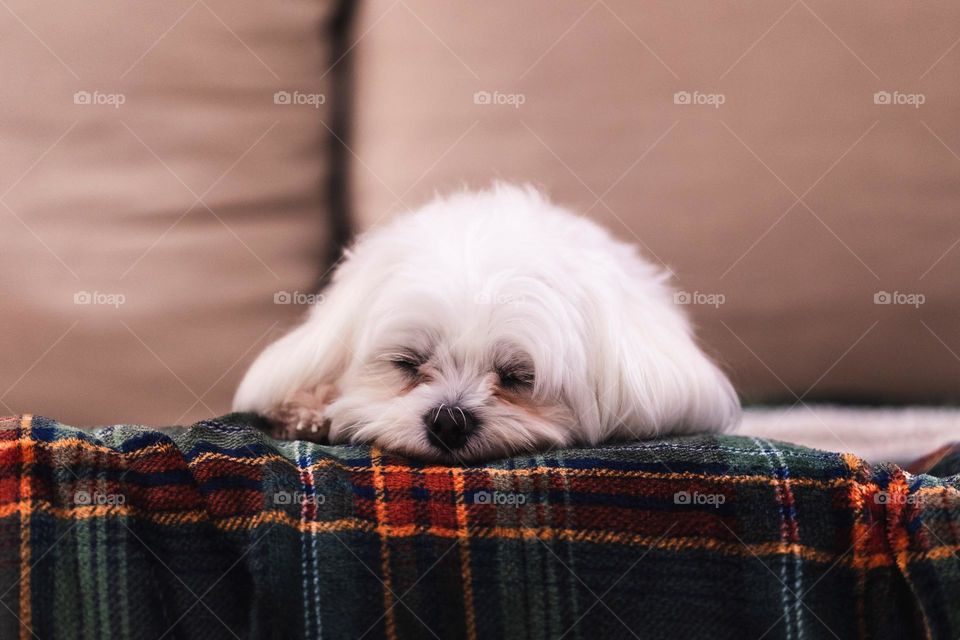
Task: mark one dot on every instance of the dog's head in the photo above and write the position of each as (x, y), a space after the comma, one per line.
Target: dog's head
(491, 323)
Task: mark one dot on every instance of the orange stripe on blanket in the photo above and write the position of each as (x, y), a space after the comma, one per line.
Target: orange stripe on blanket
(222, 457)
(463, 537)
(896, 508)
(25, 507)
(384, 530)
(859, 531)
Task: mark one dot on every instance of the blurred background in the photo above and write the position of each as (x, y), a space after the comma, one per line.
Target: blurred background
(177, 180)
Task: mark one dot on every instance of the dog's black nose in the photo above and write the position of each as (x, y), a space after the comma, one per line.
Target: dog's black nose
(448, 427)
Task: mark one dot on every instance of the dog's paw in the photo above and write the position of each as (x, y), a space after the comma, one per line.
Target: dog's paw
(301, 416)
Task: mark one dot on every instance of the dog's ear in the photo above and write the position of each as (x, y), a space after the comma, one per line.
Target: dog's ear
(651, 376)
(310, 358)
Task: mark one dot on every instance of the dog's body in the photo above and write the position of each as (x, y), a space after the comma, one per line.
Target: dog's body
(489, 323)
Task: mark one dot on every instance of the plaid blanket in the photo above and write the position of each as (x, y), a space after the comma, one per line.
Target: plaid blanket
(217, 531)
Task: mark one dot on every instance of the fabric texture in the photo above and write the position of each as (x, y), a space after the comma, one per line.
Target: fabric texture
(164, 199)
(784, 211)
(216, 531)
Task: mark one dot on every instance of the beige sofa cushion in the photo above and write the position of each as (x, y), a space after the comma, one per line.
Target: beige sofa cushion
(774, 181)
(145, 160)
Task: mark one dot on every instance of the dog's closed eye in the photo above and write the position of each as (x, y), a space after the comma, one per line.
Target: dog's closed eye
(407, 362)
(515, 376)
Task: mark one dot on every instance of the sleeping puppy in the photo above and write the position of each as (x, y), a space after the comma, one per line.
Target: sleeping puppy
(485, 324)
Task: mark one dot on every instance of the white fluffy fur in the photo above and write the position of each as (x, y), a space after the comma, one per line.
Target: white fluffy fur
(472, 279)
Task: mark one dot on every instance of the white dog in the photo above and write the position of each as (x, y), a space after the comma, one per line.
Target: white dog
(485, 324)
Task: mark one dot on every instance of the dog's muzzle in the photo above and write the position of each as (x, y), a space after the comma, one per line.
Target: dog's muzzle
(449, 426)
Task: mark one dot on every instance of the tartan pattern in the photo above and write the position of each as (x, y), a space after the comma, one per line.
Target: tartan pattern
(217, 531)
